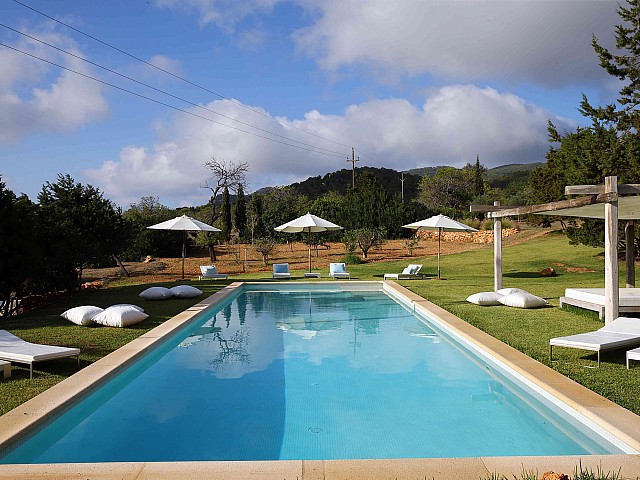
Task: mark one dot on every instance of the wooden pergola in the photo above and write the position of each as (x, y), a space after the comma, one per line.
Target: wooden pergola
(610, 202)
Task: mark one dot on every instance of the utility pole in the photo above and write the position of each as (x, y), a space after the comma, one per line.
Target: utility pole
(353, 161)
(402, 179)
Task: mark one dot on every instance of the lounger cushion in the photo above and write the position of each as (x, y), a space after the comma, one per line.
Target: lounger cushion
(156, 293)
(185, 291)
(14, 349)
(485, 298)
(209, 270)
(120, 316)
(82, 315)
(281, 268)
(523, 299)
(338, 268)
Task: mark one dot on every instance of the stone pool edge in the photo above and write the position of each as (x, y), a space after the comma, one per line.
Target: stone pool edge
(610, 416)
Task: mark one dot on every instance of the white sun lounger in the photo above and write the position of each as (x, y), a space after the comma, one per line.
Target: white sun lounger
(14, 349)
(338, 270)
(621, 333)
(593, 299)
(633, 355)
(210, 271)
(281, 270)
(411, 272)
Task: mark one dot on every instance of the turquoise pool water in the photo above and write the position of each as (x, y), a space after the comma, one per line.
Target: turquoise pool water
(307, 374)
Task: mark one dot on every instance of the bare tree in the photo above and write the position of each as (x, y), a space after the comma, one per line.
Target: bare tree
(223, 175)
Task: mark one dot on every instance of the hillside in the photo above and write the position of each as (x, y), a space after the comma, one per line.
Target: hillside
(506, 177)
(340, 181)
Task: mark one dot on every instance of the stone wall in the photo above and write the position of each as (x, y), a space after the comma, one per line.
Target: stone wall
(483, 236)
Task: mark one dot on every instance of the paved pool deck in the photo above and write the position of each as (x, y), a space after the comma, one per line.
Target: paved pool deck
(609, 416)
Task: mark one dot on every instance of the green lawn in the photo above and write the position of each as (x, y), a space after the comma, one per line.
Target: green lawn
(527, 330)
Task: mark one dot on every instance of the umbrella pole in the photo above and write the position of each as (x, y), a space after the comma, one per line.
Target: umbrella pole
(439, 235)
(309, 241)
(184, 250)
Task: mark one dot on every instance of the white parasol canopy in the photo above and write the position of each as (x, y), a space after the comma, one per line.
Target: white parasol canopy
(308, 223)
(442, 223)
(184, 223)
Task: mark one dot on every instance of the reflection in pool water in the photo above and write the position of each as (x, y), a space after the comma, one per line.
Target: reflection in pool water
(305, 375)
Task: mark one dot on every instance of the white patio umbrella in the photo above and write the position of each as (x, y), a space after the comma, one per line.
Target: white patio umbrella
(442, 223)
(185, 224)
(308, 223)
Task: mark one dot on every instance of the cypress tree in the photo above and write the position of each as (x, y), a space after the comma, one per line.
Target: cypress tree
(240, 213)
(226, 214)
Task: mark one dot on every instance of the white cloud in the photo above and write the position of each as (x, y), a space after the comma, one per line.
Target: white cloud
(544, 42)
(167, 63)
(36, 97)
(453, 125)
(224, 14)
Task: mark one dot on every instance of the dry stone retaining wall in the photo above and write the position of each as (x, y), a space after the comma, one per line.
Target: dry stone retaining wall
(483, 236)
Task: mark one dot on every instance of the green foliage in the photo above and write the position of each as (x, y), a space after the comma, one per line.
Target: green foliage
(240, 213)
(351, 259)
(160, 243)
(623, 65)
(478, 178)
(226, 215)
(365, 238)
(264, 245)
(20, 253)
(256, 225)
(340, 182)
(411, 243)
(281, 205)
(76, 224)
(610, 146)
(450, 188)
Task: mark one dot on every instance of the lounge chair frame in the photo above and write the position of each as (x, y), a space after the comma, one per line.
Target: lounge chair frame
(286, 274)
(23, 352)
(610, 337)
(344, 274)
(211, 276)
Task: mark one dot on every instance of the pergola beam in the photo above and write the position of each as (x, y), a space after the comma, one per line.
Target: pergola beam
(623, 189)
(549, 207)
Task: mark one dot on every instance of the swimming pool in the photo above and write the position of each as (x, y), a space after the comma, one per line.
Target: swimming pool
(292, 372)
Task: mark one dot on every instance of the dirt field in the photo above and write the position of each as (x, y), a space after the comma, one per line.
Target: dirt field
(296, 254)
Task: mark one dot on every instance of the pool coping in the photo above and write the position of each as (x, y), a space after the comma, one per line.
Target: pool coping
(613, 418)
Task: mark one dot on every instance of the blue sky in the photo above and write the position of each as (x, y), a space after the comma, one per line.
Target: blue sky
(408, 83)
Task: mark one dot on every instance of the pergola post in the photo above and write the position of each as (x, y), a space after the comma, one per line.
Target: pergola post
(611, 283)
(629, 237)
(497, 251)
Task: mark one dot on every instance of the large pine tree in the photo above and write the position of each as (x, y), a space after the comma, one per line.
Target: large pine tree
(624, 64)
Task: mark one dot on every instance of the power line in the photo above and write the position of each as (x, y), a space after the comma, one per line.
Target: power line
(314, 149)
(166, 93)
(178, 76)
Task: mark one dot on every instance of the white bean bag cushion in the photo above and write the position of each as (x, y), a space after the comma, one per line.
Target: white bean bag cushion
(128, 305)
(523, 299)
(185, 291)
(509, 291)
(120, 316)
(485, 298)
(156, 293)
(82, 315)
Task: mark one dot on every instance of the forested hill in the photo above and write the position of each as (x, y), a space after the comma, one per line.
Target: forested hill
(390, 180)
(340, 181)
